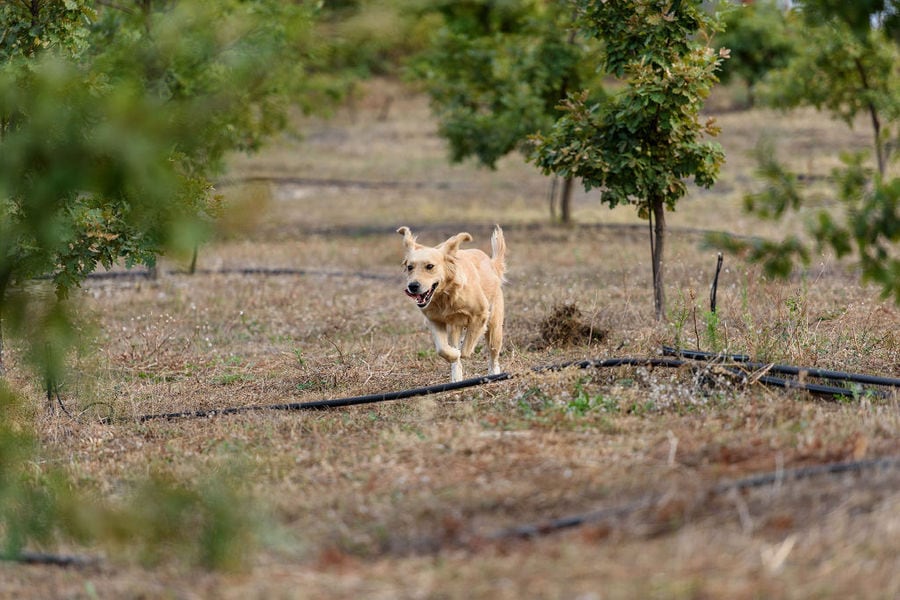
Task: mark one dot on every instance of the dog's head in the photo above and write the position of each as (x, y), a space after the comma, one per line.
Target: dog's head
(429, 270)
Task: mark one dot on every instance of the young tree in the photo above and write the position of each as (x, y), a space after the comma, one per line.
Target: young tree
(496, 72)
(639, 145)
(849, 67)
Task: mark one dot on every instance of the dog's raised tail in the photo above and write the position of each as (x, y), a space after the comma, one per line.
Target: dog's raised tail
(498, 252)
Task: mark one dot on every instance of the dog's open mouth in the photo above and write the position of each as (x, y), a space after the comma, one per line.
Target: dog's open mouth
(422, 300)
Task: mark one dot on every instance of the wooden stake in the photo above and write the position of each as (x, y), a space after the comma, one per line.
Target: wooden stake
(715, 285)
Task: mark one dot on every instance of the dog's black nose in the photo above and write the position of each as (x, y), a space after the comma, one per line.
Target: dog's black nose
(414, 287)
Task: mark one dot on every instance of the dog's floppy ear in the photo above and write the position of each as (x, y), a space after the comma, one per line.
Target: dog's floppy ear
(408, 238)
(452, 244)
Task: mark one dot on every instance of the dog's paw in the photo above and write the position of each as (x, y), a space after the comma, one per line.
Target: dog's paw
(449, 354)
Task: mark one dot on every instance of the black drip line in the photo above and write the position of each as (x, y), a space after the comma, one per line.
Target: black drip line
(410, 393)
(697, 361)
(243, 271)
(745, 361)
(533, 530)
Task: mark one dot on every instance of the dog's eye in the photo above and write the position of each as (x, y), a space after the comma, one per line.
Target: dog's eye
(429, 267)
(409, 267)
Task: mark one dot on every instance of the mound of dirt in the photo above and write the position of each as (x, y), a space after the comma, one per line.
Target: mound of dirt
(565, 326)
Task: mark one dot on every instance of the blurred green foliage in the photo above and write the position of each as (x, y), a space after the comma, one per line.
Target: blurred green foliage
(363, 38)
(865, 225)
(115, 118)
(211, 522)
(114, 121)
(848, 66)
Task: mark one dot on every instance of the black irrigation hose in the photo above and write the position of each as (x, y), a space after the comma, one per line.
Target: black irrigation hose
(785, 369)
(333, 403)
(814, 388)
(131, 274)
(54, 560)
(533, 530)
(410, 393)
(245, 271)
(613, 362)
(476, 381)
(782, 475)
(337, 183)
(280, 272)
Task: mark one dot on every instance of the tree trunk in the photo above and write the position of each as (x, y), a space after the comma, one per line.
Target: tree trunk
(192, 269)
(880, 154)
(552, 197)
(565, 201)
(657, 247)
(879, 143)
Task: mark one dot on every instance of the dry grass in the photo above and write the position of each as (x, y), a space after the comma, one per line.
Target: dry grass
(389, 500)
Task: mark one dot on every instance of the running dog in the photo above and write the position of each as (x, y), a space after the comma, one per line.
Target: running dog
(460, 293)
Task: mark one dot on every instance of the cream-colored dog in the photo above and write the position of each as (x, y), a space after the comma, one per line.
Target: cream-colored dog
(460, 293)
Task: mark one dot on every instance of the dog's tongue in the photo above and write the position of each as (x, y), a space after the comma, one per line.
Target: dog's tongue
(419, 298)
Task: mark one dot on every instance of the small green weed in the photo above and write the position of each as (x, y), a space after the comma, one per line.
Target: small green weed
(713, 343)
(641, 409)
(532, 402)
(232, 378)
(298, 355)
(314, 384)
(233, 361)
(678, 317)
(583, 402)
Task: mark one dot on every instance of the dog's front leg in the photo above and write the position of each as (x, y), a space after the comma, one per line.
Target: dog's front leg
(454, 334)
(445, 349)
